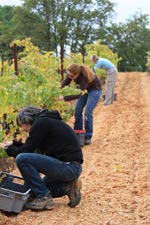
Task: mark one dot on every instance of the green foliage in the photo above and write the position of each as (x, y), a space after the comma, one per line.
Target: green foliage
(53, 25)
(38, 83)
(6, 15)
(131, 41)
(96, 48)
(148, 62)
(3, 153)
(101, 51)
(56, 25)
(28, 24)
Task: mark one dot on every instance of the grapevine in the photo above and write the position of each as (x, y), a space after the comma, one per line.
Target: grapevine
(38, 84)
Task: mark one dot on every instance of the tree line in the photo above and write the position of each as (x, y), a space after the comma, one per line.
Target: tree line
(57, 26)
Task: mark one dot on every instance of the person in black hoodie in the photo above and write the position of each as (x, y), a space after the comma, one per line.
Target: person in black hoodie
(59, 160)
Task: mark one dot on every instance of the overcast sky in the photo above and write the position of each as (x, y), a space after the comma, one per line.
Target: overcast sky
(124, 8)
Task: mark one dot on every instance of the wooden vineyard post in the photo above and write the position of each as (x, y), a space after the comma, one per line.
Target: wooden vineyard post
(15, 60)
(2, 68)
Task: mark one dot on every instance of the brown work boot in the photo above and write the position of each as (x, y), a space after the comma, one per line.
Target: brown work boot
(73, 192)
(45, 202)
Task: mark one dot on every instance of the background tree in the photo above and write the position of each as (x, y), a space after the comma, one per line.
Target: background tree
(131, 41)
(57, 26)
(6, 15)
(89, 22)
(29, 24)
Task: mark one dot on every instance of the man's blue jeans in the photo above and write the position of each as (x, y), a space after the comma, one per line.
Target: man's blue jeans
(90, 100)
(57, 173)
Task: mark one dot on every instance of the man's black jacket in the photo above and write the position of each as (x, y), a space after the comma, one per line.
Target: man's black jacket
(52, 136)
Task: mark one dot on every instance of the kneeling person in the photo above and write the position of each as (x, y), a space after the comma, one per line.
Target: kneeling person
(60, 159)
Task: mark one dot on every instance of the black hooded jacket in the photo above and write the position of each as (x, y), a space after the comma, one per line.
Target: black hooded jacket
(52, 136)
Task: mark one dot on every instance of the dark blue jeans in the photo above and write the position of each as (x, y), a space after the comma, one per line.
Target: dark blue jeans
(89, 100)
(57, 173)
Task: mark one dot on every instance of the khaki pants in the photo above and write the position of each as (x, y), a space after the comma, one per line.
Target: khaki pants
(110, 86)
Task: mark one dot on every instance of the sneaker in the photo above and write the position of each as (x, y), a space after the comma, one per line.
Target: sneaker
(106, 103)
(74, 193)
(45, 202)
(87, 141)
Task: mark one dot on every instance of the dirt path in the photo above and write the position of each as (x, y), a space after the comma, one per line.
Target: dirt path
(116, 171)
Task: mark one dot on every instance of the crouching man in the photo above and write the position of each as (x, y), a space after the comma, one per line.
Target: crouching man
(59, 160)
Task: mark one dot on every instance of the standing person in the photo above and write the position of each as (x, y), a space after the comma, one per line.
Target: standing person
(86, 80)
(111, 71)
(59, 160)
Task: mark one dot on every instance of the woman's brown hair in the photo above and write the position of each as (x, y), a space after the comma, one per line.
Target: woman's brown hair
(76, 69)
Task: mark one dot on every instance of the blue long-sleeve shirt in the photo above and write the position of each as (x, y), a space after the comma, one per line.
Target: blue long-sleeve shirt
(103, 63)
